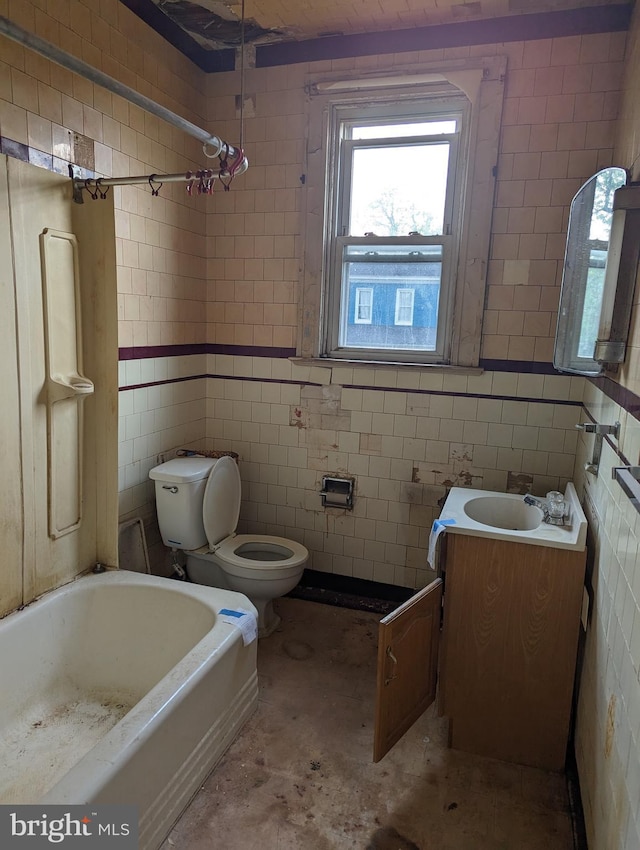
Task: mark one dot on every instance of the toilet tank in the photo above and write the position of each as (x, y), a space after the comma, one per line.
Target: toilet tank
(180, 485)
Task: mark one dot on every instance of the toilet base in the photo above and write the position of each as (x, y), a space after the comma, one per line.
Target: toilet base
(268, 620)
(204, 569)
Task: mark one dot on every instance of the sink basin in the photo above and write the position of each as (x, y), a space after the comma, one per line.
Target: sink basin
(506, 516)
(501, 512)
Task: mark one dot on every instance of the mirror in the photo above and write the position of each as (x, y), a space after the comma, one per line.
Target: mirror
(583, 277)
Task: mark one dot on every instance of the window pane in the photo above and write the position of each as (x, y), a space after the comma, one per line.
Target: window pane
(364, 302)
(400, 189)
(396, 131)
(399, 278)
(404, 306)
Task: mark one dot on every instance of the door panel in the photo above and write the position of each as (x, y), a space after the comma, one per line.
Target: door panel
(408, 642)
(66, 319)
(509, 645)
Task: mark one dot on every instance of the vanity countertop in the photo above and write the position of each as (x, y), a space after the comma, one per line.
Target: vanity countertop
(509, 518)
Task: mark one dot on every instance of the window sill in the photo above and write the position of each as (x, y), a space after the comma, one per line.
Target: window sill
(337, 362)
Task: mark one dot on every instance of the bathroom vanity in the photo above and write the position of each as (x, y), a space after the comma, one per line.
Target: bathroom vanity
(505, 659)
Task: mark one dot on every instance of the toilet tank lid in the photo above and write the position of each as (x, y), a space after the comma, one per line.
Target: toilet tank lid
(181, 470)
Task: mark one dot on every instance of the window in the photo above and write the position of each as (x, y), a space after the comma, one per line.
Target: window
(394, 223)
(363, 306)
(399, 193)
(404, 306)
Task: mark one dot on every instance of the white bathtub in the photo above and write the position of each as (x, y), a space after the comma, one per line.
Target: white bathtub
(121, 688)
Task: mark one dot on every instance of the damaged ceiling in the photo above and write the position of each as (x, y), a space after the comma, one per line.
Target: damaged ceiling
(200, 28)
(214, 24)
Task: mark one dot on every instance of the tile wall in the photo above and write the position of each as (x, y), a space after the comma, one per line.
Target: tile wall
(226, 271)
(561, 103)
(404, 440)
(608, 719)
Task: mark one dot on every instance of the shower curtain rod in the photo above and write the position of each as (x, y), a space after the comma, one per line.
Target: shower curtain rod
(203, 181)
(77, 66)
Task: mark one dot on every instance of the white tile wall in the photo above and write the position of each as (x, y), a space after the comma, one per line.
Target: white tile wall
(608, 719)
(404, 449)
(154, 420)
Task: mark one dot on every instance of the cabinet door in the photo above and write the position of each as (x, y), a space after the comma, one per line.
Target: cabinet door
(510, 634)
(408, 642)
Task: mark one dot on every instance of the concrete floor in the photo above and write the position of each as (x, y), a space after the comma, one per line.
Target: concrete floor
(300, 776)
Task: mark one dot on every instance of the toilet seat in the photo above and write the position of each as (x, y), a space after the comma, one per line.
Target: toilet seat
(239, 554)
(229, 552)
(221, 501)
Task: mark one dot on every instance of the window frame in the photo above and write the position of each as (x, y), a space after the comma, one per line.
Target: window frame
(343, 117)
(482, 81)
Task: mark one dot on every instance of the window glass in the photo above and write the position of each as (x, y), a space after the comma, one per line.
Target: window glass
(388, 131)
(393, 234)
(388, 272)
(399, 189)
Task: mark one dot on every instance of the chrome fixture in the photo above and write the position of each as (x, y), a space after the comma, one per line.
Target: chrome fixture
(633, 471)
(628, 477)
(337, 492)
(600, 432)
(553, 507)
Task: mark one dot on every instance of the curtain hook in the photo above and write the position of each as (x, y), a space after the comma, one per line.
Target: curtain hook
(155, 192)
(224, 161)
(87, 186)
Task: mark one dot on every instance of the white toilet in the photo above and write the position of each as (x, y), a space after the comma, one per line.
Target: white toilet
(198, 504)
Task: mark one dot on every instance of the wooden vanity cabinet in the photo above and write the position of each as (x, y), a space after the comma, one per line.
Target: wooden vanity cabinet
(507, 650)
(509, 645)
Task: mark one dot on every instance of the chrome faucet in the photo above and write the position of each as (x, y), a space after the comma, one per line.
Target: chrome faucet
(554, 508)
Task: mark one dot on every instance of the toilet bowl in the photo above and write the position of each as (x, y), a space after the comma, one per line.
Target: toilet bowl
(198, 505)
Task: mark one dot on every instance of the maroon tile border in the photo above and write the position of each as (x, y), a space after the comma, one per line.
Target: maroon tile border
(145, 352)
(627, 399)
(530, 367)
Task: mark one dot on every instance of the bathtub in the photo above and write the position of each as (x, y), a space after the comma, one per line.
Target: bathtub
(121, 688)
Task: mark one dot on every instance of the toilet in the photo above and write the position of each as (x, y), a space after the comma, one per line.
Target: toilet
(198, 505)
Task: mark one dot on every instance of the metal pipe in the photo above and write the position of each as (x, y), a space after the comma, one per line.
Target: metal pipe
(183, 177)
(71, 63)
(203, 179)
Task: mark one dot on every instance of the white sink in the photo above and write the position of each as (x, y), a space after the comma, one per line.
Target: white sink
(506, 516)
(502, 512)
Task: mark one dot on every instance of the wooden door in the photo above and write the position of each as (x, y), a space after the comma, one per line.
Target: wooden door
(408, 642)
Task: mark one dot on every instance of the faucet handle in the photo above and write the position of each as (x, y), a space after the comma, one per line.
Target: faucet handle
(556, 504)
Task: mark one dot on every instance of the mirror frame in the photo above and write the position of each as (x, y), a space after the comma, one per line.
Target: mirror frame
(590, 273)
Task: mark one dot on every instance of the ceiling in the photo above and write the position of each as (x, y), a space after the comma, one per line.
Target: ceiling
(198, 27)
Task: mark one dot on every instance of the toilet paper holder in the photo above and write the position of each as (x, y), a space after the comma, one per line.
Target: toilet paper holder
(337, 492)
